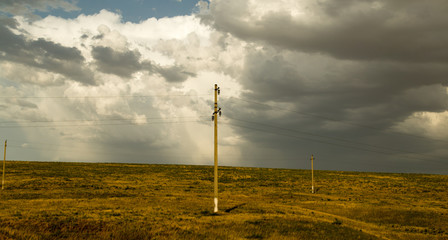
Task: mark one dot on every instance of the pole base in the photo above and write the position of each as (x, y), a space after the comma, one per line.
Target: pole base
(216, 205)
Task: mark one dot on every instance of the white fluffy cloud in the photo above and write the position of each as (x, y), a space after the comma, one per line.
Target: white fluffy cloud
(171, 63)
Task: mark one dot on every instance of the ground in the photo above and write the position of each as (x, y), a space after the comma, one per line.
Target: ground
(47, 200)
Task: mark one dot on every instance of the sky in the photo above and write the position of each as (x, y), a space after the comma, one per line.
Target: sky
(361, 85)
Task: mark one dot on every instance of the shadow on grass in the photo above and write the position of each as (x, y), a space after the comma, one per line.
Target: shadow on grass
(208, 213)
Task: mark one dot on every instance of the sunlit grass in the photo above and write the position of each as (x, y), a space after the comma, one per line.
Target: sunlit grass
(124, 201)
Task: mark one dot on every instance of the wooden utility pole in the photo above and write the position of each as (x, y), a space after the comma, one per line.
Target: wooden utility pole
(4, 166)
(312, 174)
(215, 119)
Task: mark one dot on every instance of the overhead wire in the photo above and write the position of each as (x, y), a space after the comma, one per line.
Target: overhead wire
(103, 96)
(379, 150)
(98, 122)
(334, 138)
(337, 120)
(329, 140)
(102, 124)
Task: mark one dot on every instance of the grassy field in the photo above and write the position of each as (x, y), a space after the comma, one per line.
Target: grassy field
(43, 200)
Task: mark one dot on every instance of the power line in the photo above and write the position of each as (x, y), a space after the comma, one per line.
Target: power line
(104, 96)
(338, 120)
(304, 138)
(99, 120)
(102, 124)
(335, 138)
(380, 151)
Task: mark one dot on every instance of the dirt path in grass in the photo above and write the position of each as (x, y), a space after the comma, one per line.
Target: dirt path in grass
(368, 228)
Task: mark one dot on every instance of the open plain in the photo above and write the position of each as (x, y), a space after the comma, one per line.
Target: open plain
(49, 200)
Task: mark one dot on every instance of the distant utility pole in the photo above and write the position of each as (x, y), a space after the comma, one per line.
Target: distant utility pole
(215, 119)
(312, 174)
(4, 164)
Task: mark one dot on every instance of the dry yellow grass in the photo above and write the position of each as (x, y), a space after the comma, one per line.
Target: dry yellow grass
(124, 201)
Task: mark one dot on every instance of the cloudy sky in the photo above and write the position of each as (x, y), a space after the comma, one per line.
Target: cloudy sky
(362, 85)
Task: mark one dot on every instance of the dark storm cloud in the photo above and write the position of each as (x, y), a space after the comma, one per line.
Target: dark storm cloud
(407, 31)
(122, 64)
(42, 54)
(272, 78)
(377, 93)
(126, 63)
(340, 100)
(340, 77)
(355, 69)
(286, 139)
(26, 104)
(174, 74)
